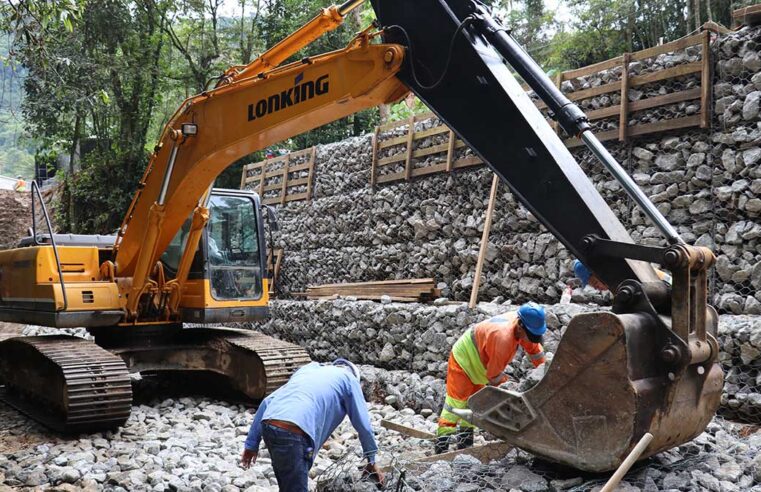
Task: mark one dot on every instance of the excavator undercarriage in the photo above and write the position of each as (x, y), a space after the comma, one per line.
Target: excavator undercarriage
(75, 385)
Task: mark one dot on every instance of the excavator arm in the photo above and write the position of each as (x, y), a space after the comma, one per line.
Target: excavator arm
(245, 113)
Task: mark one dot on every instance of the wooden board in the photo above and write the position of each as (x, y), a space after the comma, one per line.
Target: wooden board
(406, 430)
(413, 290)
(261, 178)
(485, 453)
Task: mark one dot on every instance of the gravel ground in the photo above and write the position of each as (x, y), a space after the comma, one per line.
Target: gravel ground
(193, 443)
(178, 440)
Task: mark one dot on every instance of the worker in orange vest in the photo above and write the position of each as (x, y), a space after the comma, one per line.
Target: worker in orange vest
(480, 357)
(20, 184)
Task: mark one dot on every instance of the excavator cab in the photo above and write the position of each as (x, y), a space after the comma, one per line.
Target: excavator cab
(227, 280)
(65, 285)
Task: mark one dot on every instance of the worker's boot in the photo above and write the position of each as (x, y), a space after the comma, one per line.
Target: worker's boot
(465, 439)
(442, 444)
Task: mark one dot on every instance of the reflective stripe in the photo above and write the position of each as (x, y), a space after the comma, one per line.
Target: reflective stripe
(538, 356)
(465, 352)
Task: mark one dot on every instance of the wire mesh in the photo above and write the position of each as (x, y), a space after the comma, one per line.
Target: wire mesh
(724, 458)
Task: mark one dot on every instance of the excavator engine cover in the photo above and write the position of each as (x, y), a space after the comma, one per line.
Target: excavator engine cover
(605, 388)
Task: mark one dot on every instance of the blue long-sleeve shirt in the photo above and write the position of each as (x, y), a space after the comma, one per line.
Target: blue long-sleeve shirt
(317, 398)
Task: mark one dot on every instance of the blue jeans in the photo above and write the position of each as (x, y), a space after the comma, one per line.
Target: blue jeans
(292, 456)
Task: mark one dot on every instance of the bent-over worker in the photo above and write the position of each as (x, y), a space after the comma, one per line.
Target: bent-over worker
(480, 357)
(297, 419)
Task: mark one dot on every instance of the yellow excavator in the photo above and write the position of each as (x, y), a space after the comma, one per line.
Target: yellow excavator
(187, 253)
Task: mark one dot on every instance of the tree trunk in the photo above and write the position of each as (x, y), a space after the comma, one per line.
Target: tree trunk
(73, 157)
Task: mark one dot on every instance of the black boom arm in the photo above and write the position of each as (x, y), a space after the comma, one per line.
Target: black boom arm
(456, 64)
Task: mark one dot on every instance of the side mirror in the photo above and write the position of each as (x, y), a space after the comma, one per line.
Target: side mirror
(272, 218)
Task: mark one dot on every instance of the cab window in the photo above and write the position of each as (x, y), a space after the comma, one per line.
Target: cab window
(232, 241)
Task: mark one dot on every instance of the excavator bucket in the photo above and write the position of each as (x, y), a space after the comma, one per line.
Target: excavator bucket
(604, 389)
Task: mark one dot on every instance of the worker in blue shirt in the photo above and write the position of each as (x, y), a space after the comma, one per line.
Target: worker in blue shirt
(297, 419)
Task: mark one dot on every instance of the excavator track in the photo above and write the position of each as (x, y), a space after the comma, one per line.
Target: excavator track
(253, 363)
(66, 383)
(280, 359)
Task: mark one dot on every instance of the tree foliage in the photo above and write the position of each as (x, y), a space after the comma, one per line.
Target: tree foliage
(104, 76)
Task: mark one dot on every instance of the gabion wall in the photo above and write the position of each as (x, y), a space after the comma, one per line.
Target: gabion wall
(706, 181)
(406, 346)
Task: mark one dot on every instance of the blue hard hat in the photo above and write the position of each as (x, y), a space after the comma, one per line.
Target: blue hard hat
(582, 272)
(532, 316)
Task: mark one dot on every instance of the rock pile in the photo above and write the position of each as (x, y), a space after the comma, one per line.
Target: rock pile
(724, 458)
(15, 217)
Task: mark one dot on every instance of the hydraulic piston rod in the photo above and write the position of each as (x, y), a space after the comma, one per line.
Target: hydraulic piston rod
(568, 115)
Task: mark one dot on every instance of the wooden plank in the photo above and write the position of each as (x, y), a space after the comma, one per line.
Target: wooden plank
(284, 191)
(382, 282)
(469, 161)
(261, 185)
(484, 242)
(594, 91)
(300, 167)
(558, 82)
(391, 177)
(360, 297)
(272, 187)
(590, 69)
(676, 45)
(433, 169)
(715, 27)
(623, 119)
(669, 73)
(674, 97)
(310, 176)
(374, 162)
(450, 150)
(705, 81)
(666, 125)
(486, 453)
(391, 142)
(410, 144)
(435, 149)
(431, 132)
(747, 16)
(391, 159)
(293, 197)
(297, 182)
(409, 290)
(243, 177)
(391, 125)
(406, 430)
(602, 113)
